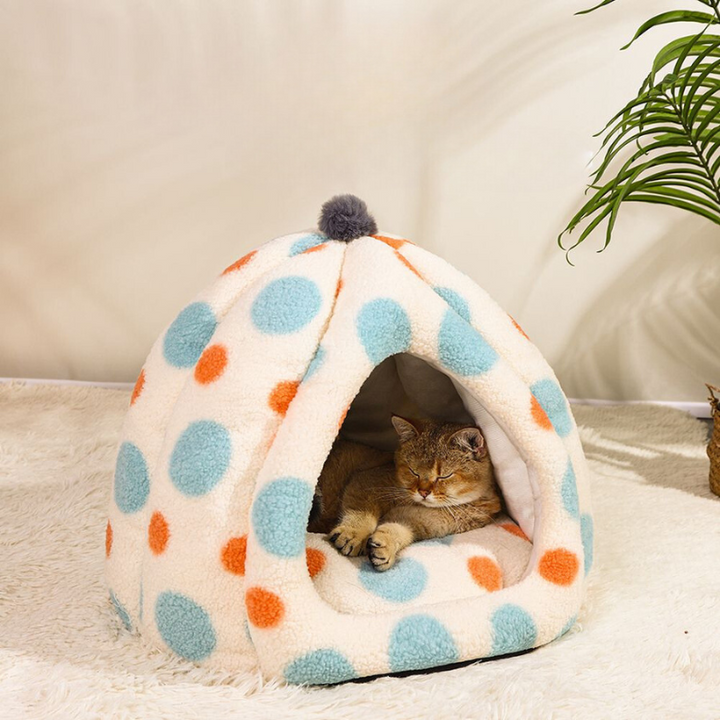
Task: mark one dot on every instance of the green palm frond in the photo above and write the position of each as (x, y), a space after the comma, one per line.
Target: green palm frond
(664, 146)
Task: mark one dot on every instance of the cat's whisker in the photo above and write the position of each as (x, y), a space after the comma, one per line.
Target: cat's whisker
(391, 494)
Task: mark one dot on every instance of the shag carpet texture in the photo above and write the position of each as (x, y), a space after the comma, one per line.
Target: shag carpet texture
(646, 643)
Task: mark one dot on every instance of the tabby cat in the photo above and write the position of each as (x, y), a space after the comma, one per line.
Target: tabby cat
(440, 481)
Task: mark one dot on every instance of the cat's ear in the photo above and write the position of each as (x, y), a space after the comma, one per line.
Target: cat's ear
(404, 428)
(469, 439)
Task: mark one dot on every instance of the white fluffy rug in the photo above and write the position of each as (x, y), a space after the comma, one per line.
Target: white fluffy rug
(647, 643)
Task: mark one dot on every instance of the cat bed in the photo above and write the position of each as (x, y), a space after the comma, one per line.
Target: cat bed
(234, 414)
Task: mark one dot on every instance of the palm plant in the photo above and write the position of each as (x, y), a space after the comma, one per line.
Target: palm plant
(664, 145)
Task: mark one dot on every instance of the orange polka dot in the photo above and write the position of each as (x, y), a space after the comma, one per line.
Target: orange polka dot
(139, 385)
(485, 572)
(158, 533)
(108, 539)
(282, 395)
(392, 242)
(517, 327)
(315, 248)
(559, 566)
(315, 561)
(264, 608)
(539, 415)
(233, 555)
(407, 264)
(244, 260)
(338, 288)
(514, 530)
(211, 364)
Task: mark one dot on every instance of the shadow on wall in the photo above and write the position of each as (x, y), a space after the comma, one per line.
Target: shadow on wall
(659, 320)
(481, 70)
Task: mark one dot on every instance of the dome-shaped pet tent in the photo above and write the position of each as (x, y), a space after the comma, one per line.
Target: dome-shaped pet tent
(233, 416)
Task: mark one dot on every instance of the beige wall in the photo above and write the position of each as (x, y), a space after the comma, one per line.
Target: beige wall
(144, 145)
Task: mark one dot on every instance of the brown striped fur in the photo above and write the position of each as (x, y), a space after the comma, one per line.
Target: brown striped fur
(440, 481)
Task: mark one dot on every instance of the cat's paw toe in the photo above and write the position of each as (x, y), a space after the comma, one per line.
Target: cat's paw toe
(347, 541)
(381, 555)
(353, 548)
(381, 560)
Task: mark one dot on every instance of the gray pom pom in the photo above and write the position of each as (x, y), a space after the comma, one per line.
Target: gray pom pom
(346, 217)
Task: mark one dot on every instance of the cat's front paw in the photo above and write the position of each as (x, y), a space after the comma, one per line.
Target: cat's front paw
(349, 539)
(385, 544)
(381, 553)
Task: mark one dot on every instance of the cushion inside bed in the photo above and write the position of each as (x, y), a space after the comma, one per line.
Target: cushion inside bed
(450, 568)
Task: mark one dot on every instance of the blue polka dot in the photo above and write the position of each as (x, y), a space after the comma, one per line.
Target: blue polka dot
(286, 305)
(587, 532)
(188, 335)
(553, 402)
(384, 329)
(462, 349)
(404, 581)
(456, 301)
(200, 457)
(513, 630)
(132, 482)
(568, 626)
(306, 242)
(320, 667)
(569, 492)
(315, 363)
(279, 515)
(121, 611)
(420, 641)
(184, 626)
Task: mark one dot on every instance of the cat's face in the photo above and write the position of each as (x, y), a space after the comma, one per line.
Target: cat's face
(442, 464)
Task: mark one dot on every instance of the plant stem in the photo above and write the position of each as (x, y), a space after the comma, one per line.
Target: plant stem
(696, 148)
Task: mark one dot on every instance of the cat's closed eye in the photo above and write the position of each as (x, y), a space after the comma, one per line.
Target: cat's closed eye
(412, 471)
(445, 477)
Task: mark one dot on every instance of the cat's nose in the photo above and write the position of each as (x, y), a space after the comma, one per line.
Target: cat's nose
(424, 492)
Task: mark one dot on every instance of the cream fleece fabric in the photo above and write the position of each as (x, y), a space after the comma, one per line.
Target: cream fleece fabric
(233, 416)
(646, 643)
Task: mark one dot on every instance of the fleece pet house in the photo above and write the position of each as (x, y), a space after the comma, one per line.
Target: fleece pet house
(233, 416)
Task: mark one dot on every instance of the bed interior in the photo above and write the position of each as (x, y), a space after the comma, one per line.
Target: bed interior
(409, 386)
